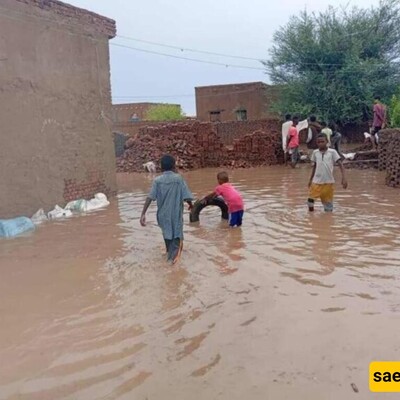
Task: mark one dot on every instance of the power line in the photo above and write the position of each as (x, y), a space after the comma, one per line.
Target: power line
(227, 65)
(188, 49)
(180, 48)
(187, 58)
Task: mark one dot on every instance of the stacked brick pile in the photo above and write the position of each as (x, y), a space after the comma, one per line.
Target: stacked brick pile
(193, 146)
(229, 131)
(389, 157)
(258, 148)
(198, 145)
(385, 139)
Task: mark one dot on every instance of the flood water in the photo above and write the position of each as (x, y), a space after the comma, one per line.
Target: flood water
(291, 306)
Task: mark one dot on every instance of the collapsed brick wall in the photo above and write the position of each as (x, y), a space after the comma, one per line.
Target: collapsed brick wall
(198, 145)
(389, 155)
(229, 131)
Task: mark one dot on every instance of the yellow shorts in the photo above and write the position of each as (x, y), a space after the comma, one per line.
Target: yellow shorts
(324, 192)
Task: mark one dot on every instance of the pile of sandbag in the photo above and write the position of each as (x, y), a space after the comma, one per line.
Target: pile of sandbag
(17, 226)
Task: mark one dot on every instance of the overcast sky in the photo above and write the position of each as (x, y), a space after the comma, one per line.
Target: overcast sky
(234, 27)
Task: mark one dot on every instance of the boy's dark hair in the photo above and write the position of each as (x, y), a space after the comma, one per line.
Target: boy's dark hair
(167, 163)
(295, 118)
(323, 124)
(322, 136)
(313, 118)
(223, 177)
(377, 98)
(288, 117)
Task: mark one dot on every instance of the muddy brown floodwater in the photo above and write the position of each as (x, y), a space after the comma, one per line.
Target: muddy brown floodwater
(291, 306)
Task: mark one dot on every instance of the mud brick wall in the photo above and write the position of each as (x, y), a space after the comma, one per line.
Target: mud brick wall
(389, 155)
(199, 145)
(95, 182)
(229, 131)
(55, 102)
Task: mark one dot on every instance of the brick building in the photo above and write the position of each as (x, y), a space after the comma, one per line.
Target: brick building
(235, 102)
(55, 105)
(133, 112)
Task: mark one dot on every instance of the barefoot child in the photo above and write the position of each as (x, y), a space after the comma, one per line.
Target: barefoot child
(231, 197)
(322, 181)
(170, 190)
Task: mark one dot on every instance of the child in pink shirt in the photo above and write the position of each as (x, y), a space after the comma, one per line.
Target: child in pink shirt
(293, 142)
(231, 197)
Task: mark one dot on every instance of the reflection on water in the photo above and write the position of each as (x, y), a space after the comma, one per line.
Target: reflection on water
(90, 310)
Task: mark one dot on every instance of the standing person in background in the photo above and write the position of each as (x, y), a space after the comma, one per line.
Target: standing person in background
(336, 139)
(379, 121)
(314, 129)
(293, 142)
(285, 132)
(326, 131)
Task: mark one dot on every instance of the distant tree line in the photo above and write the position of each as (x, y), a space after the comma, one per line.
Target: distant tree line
(333, 63)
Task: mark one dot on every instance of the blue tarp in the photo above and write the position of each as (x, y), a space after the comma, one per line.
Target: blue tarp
(14, 227)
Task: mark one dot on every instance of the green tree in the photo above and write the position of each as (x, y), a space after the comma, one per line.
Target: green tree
(394, 111)
(334, 62)
(165, 112)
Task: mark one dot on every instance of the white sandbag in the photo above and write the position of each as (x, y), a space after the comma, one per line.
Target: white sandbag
(150, 167)
(16, 226)
(59, 212)
(100, 201)
(349, 156)
(77, 205)
(39, 217)
(367, 135)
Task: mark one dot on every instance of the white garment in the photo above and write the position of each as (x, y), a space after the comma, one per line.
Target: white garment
(328, 132)
(325, 164)
(309, 136)
(285, 132)
(368, 136)
(302, 125)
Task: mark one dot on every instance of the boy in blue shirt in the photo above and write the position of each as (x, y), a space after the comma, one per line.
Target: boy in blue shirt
(170, 191)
